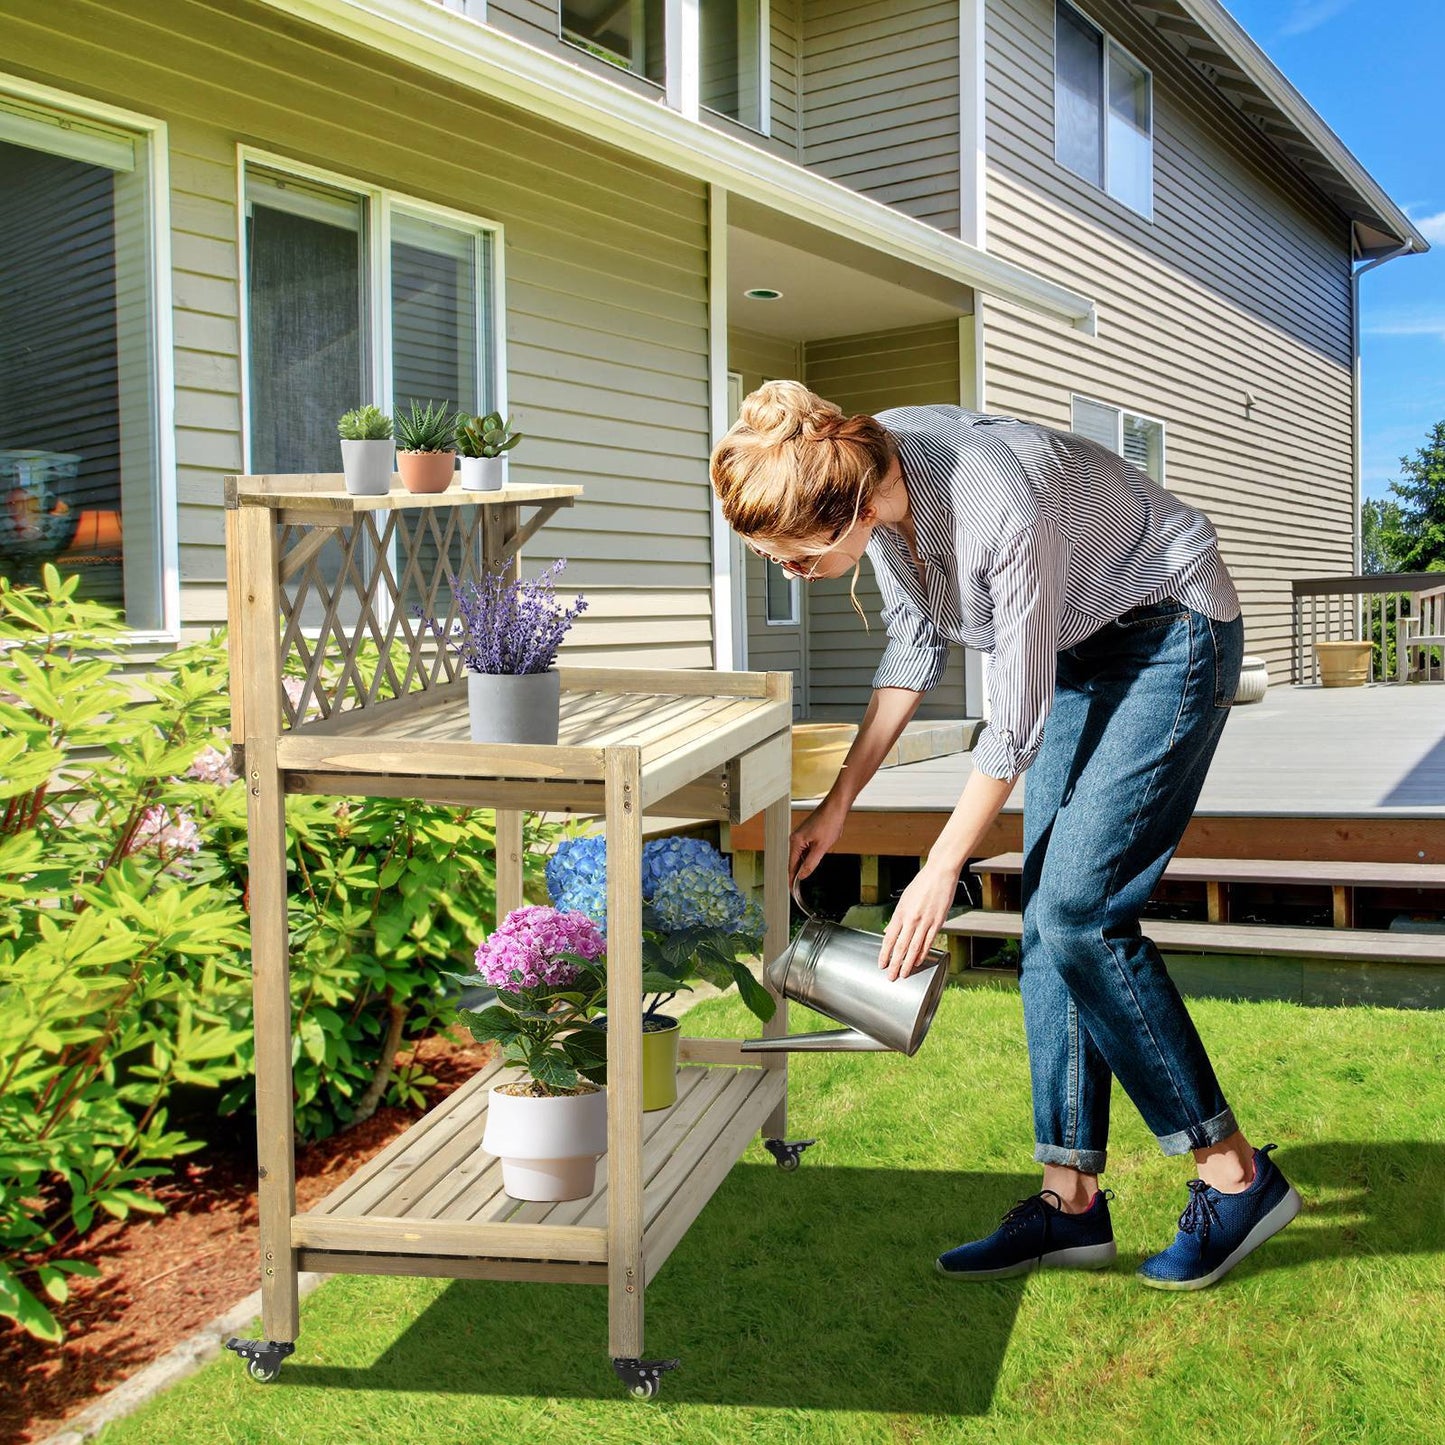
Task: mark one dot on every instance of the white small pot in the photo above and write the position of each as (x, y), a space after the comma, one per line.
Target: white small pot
(368, 467)
(484, 474)
(548, 1147)
(507, 708)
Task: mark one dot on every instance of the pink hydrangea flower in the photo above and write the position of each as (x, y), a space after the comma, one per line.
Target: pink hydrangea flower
(528, 948)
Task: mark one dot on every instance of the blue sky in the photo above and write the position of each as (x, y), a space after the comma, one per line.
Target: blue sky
(1372, 70)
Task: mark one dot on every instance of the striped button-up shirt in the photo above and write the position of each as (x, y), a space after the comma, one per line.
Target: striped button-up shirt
(1031, 539)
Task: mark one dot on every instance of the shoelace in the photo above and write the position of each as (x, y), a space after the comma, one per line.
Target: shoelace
(1200, 1212)
(1026, 1210)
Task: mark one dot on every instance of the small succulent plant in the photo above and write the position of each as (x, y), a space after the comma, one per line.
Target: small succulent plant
(432, 428)
(365, 424)
(485, 436)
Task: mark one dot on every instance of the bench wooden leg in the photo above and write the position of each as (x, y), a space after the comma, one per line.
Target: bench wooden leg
(868, 878)
(1216, 902)
(1343, 899)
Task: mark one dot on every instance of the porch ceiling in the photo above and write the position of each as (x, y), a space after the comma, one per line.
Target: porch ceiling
(821, 297)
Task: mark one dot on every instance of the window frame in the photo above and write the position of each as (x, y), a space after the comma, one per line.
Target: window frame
(1120, 412)
(380, 202)
(1108, 40)
(154, 135)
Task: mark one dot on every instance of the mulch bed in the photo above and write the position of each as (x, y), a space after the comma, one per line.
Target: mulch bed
(165, 1276)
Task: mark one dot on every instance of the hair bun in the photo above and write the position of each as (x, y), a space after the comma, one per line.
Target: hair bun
(778, 411)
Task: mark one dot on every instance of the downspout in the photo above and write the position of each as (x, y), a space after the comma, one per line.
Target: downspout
(1356, 418)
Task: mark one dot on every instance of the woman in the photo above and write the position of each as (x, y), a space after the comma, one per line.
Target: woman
(1103, 606)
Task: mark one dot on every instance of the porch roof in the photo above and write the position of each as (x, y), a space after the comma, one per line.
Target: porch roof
(1216, 45)
(426, 34)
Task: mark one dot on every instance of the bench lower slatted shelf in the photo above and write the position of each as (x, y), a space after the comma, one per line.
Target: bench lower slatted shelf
(434, 1197)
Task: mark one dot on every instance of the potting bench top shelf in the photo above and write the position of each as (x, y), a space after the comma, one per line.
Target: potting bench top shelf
(325, 492)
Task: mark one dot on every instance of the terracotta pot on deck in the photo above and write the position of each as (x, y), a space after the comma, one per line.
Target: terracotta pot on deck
(1344, 664)
(426, 471)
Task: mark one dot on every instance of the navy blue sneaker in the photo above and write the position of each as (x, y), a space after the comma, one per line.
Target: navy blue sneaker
(1037, 1234)
(1217, 1230)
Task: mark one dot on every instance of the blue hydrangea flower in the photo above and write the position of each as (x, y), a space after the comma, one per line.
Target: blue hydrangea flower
(576, 861)
(589, 897)
(698, 897)
(663, 857)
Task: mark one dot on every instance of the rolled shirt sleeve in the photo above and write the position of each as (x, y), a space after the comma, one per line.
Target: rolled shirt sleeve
(916, 654)
(1026, 580)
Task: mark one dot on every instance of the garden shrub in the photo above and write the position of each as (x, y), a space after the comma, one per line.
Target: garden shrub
(124, 962)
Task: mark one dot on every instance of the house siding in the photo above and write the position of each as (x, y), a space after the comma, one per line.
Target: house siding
(606, 285)
(1241, 282)
(771, 648)
(868, 373)
(880, 86)
(783, 98)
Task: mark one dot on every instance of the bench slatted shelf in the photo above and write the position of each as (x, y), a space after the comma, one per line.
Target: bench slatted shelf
(324, 590)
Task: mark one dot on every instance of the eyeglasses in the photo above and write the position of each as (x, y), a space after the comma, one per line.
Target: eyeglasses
(805, 568)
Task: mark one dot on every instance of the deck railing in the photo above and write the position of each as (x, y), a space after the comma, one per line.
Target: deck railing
(1385, 608)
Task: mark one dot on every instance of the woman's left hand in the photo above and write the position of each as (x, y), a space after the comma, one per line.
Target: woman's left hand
(919, 915)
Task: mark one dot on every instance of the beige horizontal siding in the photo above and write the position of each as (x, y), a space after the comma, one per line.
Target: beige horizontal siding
(869, 373)
(783, 48)
(606, 298)
(879, 84)
(1240, 282)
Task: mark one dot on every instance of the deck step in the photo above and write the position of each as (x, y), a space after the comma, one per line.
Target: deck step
(1267, 870)
(1365, 945)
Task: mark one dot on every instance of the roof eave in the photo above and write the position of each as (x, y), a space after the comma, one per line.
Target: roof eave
(1374, 214)
(506, 69)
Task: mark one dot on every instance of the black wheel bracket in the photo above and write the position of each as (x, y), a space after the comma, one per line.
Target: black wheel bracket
(642, 1375)
(787, 1152)
(268, 1354)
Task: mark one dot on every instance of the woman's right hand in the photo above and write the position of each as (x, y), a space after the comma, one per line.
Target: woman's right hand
(813, 838)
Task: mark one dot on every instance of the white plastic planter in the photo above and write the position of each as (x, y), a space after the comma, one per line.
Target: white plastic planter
(484, 474)
(521, 708)
(548, 1147)
(368, 467)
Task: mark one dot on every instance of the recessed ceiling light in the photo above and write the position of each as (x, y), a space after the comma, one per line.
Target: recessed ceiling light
(763, 293)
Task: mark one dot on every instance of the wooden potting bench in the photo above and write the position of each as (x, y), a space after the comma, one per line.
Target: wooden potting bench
(342, 689)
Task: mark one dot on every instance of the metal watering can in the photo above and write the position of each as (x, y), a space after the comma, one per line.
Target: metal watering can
(835, 970)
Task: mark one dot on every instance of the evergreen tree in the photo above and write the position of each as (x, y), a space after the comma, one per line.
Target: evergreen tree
(1422, 506)
(1381, 539)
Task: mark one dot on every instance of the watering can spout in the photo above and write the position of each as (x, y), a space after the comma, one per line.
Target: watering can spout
(845, 1041)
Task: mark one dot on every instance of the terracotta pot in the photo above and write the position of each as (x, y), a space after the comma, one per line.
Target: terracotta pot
(426, 471)
(1344, 664)
(548, 1147)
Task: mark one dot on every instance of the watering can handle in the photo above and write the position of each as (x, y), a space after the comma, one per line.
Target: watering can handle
(808, 913)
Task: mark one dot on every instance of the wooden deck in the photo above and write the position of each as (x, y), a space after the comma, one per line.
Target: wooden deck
(1308, 773)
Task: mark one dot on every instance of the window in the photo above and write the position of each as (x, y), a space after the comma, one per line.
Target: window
(731, 59)
(783, 595)
(356, 295)
(81, 452)
(1138, 439)
(1103, 111)
(629, 33)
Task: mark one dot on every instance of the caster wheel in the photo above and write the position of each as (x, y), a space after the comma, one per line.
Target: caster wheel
(787, 1152)
(642, 1377)
(788, 1163)
(263, 1357)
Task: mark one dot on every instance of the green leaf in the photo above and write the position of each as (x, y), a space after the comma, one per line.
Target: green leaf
(552, 1070)
(754, 995)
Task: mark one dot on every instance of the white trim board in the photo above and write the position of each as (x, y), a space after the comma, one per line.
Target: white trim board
(424, 34)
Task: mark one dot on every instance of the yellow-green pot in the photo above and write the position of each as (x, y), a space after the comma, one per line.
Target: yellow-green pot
(659, 1062)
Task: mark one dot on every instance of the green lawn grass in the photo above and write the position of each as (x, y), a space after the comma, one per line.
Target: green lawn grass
(805, 1306)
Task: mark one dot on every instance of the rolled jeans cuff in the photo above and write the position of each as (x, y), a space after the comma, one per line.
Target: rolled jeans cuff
(1086, 1161)
(1200, 1136)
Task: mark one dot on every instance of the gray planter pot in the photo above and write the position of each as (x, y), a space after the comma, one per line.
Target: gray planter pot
(514, 709)
(368, 467)
(484, 474)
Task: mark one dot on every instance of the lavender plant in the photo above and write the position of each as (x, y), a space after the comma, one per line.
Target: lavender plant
(508, 628)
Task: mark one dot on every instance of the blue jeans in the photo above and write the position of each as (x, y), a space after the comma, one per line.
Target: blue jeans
(1138, 709)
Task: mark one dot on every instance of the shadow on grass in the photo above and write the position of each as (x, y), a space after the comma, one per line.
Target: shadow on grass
(814, 1290)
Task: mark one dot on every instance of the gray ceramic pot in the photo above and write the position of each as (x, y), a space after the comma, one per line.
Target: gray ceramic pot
(514, 709)
(368, 467)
